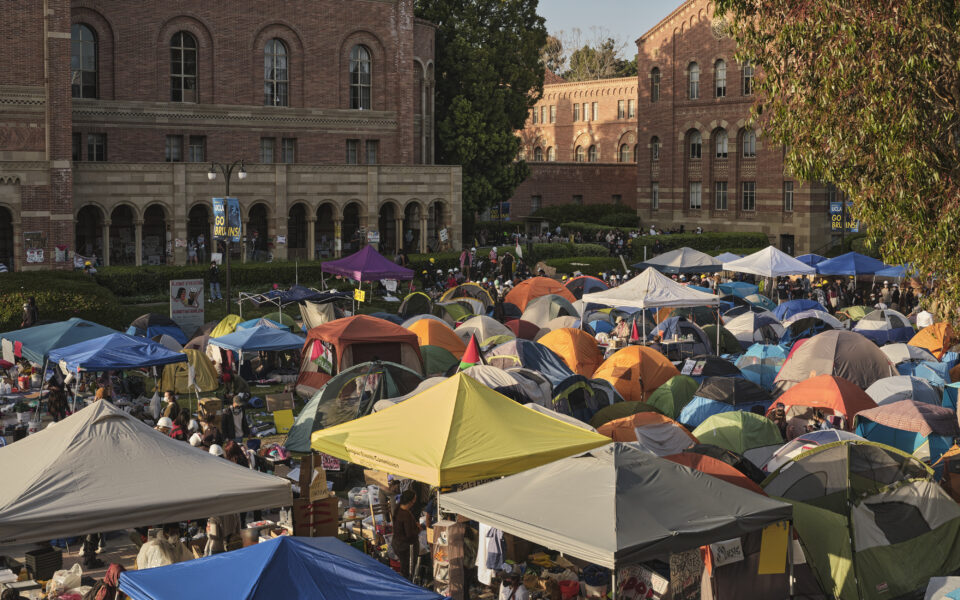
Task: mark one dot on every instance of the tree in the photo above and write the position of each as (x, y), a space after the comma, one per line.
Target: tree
(553, 56)
(599, 57)
(866, 96)
(489, 75)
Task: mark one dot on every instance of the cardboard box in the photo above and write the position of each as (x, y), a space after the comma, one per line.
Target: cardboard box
(279, 402)
(209, 406)
(377, 478)
(313, 479)
(316, 518)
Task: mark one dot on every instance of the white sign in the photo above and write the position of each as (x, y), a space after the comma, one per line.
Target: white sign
(35, 255)
(728, 552)
(444, 235)
(281, 239)
(373, 237)
(636, 582)
(186, 303)
(390, 284)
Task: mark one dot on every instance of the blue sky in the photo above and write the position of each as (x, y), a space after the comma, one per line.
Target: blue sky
(626, 19)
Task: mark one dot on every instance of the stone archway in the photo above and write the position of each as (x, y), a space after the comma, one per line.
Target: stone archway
(198, 230)
(88, 241)
(387, 226)
(435, 222)
(154, 237)
(123, 236)
(257, 232)
(297, 232)
(6, 239)
(351, 229)
(324, 230)
(411, 227)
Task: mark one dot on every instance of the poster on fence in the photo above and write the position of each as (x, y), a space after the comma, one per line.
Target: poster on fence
(186, 303)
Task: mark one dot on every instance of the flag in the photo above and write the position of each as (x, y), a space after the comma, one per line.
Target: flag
(519, 250)
(634, 334)
(472, 354)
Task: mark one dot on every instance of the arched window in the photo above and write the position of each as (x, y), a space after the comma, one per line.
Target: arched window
(721, 143)
(655, 85)
(579, 154)
(551, 154)
(275, 74)
(720, 78)
(83, 62)
(625, 153)
(655, 149)
(592, 154)
(183, 67)
(538, 154)
(693, 79)
(749, 144)
(360, 78)
(696, 144)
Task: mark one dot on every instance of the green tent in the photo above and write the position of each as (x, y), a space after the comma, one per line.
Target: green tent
(671, 397)
(873, 523)
(437, 360)
(738, 431)
(618, 410)
(729, 344)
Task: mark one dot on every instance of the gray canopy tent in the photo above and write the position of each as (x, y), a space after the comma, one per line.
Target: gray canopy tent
(617, 505)
(102, 469)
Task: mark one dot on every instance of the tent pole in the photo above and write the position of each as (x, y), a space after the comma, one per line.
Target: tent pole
(718, 331)
(43, 382)
(790, 558)
(613, 571)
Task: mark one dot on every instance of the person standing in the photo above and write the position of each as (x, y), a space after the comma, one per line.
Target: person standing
(202, 248)
(233, 423)
(30, 313)
(170, 408)
(506, 266)
(214, 277)
(406, 532)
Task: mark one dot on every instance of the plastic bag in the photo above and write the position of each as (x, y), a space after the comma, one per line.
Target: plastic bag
(64, 580)
(155, 406)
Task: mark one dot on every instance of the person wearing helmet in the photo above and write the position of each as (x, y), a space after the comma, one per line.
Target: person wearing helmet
(216, 450)
(195, 440)
(164, 425)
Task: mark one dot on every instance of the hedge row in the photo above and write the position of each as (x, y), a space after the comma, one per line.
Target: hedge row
(59, 296)
(587, 265)
(611, 214)
(591, 229)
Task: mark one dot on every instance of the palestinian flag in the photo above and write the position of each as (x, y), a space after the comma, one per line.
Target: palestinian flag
(634, 333)
(472, 354)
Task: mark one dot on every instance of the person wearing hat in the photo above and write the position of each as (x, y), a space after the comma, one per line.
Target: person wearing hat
(195, 440)
(213, 276)
(233, 423)
(886, 294)
(164, 425)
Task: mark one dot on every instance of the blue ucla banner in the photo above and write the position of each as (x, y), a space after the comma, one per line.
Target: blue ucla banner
(226, 219)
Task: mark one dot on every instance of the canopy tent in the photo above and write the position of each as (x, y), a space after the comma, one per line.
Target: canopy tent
(260, 338)
(114, 352)
(726, 257)
(179, 379)
(682, 260)
(811, 259)
(897, 271)
(842, 353)
(658, 507)
(119, 474)
(528, 289)
(152, 324)
(851, 263)
(769, 262)
(366, 265)
(464, 432)
(293, 568)
(652, 289)
(35, 343)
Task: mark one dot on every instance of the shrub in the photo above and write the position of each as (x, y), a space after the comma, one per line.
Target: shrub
(589, 213)
(59, 295)
(587, 265)
(590, 230)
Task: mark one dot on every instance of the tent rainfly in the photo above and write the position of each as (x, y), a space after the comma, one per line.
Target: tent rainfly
(769, 262)
(118, 475)
(35, 343)
(114, 352)
(366, 265)
(259, 338)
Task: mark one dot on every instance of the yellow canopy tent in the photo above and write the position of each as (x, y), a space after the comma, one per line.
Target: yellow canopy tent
(176, 377)
(228, 324)
(455, 432)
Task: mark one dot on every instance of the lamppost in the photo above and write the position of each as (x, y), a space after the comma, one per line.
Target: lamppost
(227, 170)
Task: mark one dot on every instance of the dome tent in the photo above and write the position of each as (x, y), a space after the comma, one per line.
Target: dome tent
(842, 353)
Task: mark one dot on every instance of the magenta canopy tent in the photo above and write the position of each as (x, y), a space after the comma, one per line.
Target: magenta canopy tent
(366, 265)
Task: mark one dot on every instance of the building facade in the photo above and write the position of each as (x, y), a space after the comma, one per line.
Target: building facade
(115, 111)
(701, 161)
(580, 144)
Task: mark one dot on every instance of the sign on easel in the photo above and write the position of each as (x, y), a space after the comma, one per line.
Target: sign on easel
(360, 295)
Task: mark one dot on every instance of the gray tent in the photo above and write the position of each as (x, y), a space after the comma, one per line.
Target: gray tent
(617, 505)
(101, 469)
(682, 260)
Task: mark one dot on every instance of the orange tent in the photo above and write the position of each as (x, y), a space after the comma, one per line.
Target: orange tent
(624, 430)
(528, 289)
(829, 392)
(715, 468)
(636, 371)
(437, 333)
(577, 348)
(937, 338)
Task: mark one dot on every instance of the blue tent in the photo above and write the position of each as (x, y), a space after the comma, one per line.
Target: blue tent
(761, 363)
(851, 263)
(115, 352)
(811, 259)
(787, 309)
(951, 393)
(263, 321)
(738, 288)
(291, 568)
(898, 271)
(722, 394)
(529, 355)
(934, 372)
(37, 342)
(261, 338)
(151, 325)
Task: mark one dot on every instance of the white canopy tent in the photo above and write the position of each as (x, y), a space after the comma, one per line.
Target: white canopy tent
(102, 469)
(769, 262)
(683, 260)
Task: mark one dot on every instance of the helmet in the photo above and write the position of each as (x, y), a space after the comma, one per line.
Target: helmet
(432, 260)
(165, 422)
(473, 249)
(216, 450)
(87, 264)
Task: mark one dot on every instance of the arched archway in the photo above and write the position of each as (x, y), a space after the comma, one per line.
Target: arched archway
(387, 226)
(198, 231)
(154, 236)
(324, 230)
(257, 231)
(350, 233)
(6, 238)
(411, 227)
(123, 242)
(89, 232)
(297, 231)
(435, 222)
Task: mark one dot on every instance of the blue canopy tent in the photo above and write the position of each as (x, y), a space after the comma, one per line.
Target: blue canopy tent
(787, 309)
(37, 342)
(896, 271)
(114, 352)
(738, 288)
(292, 568)
(262, 322)
(261, 338)
(811, 259)
(851, 263)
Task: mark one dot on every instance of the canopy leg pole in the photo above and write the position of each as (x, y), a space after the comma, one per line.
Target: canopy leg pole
(613, 571)
(43, 382)
(790, 558)
(718, 331)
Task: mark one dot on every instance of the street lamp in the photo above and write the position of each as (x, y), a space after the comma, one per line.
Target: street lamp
(227, 170)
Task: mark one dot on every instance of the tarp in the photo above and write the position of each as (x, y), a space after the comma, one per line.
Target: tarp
(315, 314)
(176, 377)
(769, 262)
(114, 352)
(260, 338)
(459, 431)
(37, 342)
(617, 505)
(102, 470)
(366, 265)
(851, 263)
(682, 260)
(652, 289)
(292, 568)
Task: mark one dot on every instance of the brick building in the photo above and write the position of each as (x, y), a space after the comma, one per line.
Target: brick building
(112, 111)
(701, 162)
(575, 123)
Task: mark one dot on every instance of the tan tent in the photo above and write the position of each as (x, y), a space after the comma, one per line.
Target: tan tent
(176, 377)
(315, 314)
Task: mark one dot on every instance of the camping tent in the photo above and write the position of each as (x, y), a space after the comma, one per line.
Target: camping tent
(672, 396)
(415, 303)
(651, 431)
(528, 289)
(903, 387)
(260, 338)
(120, 473)
(842, 353)
(755, 327)
(432, 332)
(35, 343)
(543, 309)
(851, 263)
(924, 430)
(584, 284)
(152, 324)
(293, 568)
(828, 393)
(461, 431)
(636, 371)
(723, 394)
(264, 322)
(577, 348)
(738, 431)
(937, 338)
(682, 260)
(483, 327)
(176, 377)
(530, 355)
(785, 454)
(761, 363)
(468, 290)
(366, 265)
(787, 309)
(625, 506)
(769, 262)
(227, 325)
(900, 353)
(114, 352)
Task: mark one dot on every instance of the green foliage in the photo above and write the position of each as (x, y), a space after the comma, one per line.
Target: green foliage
(591, 229)
(488, 75)
(59, 295)
(552, 55)
(548, 251)
(866, 96)
(711, 243)
(601, 60)
(587, 265)
(578, 213)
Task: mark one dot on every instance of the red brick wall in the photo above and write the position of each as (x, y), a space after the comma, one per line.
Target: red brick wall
(557, 183)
